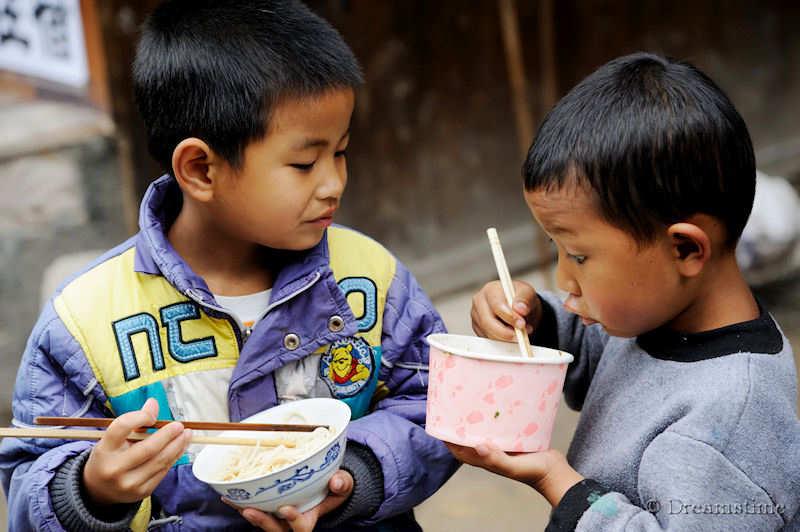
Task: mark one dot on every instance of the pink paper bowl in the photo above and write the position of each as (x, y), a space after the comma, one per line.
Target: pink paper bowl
(484, 391)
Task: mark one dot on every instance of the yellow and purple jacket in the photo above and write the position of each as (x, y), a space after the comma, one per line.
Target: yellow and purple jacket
(138, 323)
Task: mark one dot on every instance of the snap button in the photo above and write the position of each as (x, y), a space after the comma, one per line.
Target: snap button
(291, 341)
(335, 323)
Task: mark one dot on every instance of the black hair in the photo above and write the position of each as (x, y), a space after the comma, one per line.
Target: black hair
(214, 69)
(656, 139)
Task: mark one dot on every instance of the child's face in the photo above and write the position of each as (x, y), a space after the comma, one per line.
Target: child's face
(292, 180)
(609, 280)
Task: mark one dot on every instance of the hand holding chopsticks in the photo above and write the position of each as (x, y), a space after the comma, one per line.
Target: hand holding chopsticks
(508, 287)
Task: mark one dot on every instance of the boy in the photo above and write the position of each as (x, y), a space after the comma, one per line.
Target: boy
(233, 297)
(643, 176)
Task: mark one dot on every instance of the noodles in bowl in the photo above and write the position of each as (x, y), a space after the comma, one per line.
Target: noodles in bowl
(244, 463)
(294, 473)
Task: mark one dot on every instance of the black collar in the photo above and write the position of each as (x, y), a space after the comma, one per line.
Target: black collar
(760, 335)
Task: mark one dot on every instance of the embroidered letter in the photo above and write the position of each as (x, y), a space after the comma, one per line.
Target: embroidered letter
(367, 288)
(124, 329)
(171, 318)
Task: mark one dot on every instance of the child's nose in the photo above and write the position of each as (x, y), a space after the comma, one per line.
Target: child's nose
(565, 281)
(332, 184)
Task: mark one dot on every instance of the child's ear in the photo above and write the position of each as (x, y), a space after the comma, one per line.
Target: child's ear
(193, 165)
(691, 247)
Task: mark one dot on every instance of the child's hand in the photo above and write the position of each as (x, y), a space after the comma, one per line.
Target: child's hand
(547, 471)
(492, 318)
(340, 486)
(120, 471)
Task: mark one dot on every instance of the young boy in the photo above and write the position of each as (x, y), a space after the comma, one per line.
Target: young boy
(235, 295)
(643, 176)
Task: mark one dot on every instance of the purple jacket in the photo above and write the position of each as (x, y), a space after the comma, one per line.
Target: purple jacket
(82, 360)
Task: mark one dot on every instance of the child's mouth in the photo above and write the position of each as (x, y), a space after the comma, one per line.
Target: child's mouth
(324, 222)
(568, 304)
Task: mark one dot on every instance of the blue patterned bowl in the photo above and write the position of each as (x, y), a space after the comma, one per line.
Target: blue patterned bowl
(303, 484)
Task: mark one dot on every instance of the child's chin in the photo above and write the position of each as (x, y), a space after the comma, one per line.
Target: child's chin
(303, 243)
(618, 333)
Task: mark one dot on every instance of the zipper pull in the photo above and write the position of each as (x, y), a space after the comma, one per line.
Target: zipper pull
(247, 332)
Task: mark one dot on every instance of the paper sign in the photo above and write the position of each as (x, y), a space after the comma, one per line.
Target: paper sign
(43, 38)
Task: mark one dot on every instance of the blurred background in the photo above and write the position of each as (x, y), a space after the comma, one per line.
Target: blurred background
(453, 93)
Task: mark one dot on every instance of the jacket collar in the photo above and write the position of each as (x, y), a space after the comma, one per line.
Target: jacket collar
(156, 256)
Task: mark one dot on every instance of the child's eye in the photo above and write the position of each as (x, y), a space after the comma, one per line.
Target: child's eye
(303, 167)
(580, 259)
(340, 153)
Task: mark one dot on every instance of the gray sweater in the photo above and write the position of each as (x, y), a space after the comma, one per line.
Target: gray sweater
(679, 432)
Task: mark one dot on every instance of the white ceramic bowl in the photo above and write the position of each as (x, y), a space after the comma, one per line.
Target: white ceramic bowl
(303, 484)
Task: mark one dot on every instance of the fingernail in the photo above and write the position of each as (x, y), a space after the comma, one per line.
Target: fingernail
(521, 307)
(187, 434)
(281, 513)
(482, 450)
(520, 324)
(336, 484)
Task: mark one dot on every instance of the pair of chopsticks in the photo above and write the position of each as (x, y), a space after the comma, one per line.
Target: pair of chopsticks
(77, 434)
(140, 434)
(194, 425)
(508, 287)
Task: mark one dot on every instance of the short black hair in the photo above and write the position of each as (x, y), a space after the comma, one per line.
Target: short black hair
(214, 69)
(656, 139)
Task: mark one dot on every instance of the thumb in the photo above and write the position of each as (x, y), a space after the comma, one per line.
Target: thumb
(151, 407)
(119, 429)
(524, 296)
(494, 459)
(341, 483)
(340, 486)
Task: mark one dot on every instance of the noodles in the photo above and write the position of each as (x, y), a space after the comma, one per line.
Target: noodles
(243, 463)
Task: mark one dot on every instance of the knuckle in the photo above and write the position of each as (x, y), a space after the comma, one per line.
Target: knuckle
(162, 461)
(126, 485)
(106, 472)
(167, 461)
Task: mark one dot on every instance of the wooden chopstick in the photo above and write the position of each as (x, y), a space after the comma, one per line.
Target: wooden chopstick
(77, 434)
(508, 287)
(195, 425)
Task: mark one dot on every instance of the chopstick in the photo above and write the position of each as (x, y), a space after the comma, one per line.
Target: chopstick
(508, 286)
(77, 434)
(195, 425)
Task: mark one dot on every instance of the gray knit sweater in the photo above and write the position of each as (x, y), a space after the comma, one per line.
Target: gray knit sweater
(679, 432)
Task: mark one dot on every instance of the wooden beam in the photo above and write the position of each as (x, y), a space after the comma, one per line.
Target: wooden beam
(516, 73)
(120, 21)
(519, 96)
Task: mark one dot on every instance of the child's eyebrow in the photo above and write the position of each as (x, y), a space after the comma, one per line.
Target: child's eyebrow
(309, 143)
(559, 230)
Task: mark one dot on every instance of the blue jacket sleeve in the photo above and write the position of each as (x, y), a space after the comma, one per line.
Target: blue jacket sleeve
(53, 380)
(414, 465)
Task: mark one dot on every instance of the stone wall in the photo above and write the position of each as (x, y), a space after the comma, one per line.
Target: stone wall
(59, 194)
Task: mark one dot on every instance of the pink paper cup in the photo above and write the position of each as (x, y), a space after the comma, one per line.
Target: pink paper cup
(484, 391)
